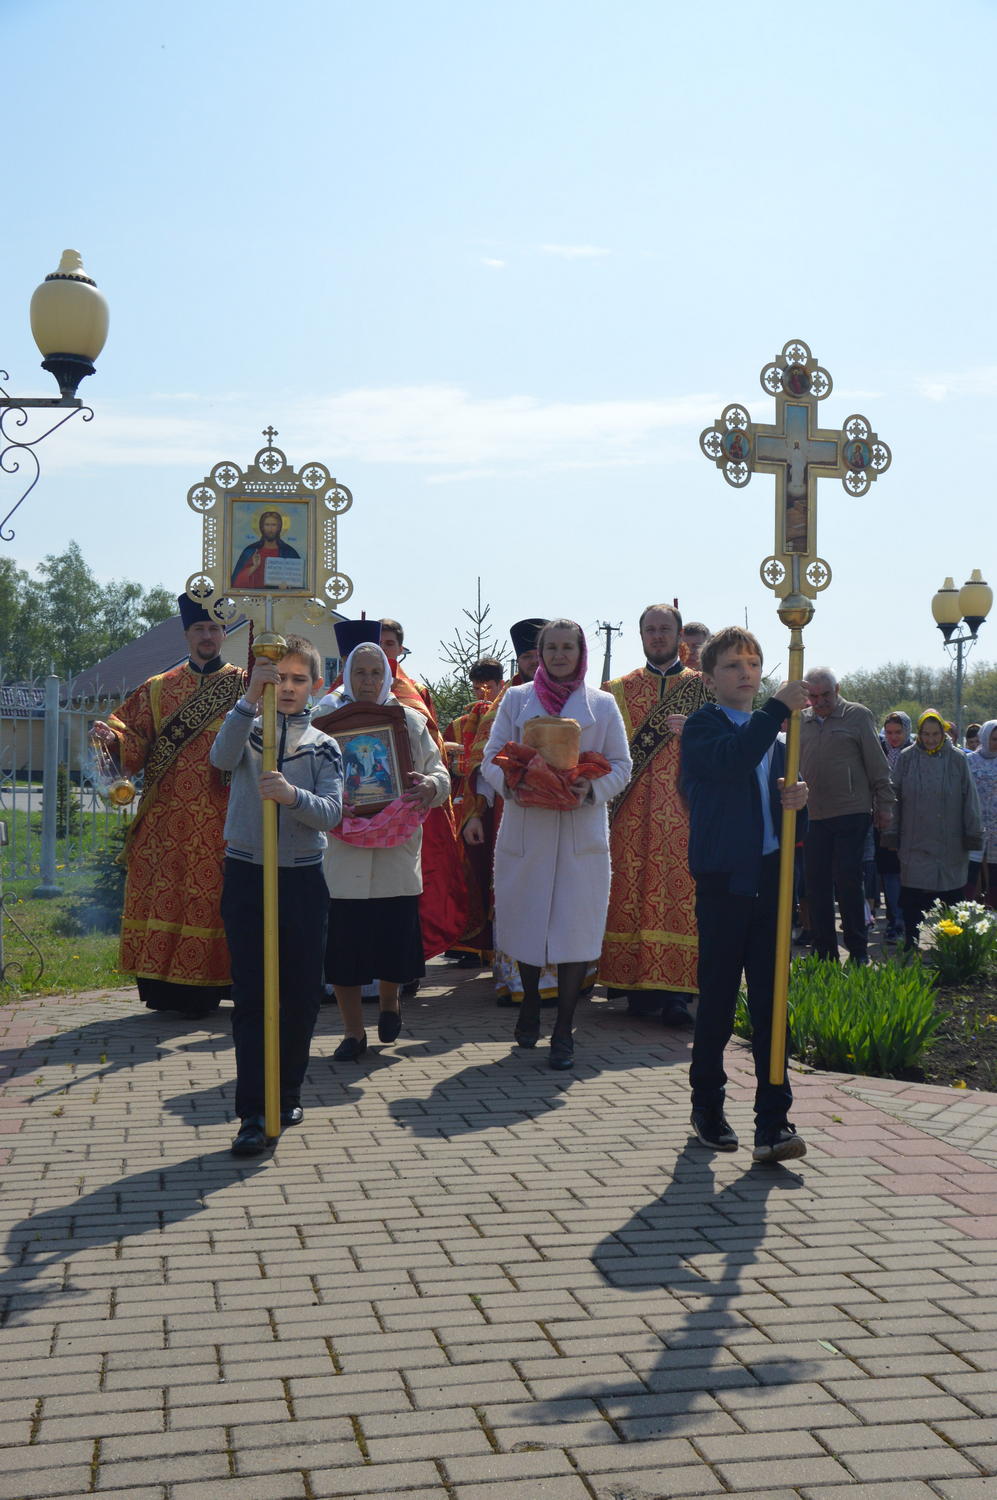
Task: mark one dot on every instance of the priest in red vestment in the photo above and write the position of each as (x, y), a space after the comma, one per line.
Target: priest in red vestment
(172, 938)
(650, 951)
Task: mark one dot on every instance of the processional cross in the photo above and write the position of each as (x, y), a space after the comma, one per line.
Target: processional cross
(799, 454)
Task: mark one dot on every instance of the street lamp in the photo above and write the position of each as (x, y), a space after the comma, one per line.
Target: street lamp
(69, 323)
(969, 606)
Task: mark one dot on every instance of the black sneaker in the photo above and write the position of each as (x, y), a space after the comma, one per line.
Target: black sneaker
(712, 1130)
(778, 1143)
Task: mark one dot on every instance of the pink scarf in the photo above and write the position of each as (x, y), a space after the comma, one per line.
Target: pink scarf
(554, 692)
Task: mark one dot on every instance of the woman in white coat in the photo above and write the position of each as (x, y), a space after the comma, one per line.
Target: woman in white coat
(552, 868)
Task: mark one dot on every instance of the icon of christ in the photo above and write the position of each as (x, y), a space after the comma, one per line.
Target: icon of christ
(251, 566)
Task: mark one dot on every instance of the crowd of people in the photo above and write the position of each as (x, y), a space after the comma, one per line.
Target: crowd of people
(563, 835)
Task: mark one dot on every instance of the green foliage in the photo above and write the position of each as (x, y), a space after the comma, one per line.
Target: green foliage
(98, 908)
(72, 961)
(469, 644)
(451, 695)
(915, 688)
(65, 620)
(875, 1020)
(964, 941)
(67, 804)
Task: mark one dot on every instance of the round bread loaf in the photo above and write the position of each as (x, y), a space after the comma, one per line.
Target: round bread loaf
(557, 740)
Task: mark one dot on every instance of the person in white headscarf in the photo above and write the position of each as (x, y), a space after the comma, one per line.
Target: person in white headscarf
(982, 764)
(895, 736)
(374, 891)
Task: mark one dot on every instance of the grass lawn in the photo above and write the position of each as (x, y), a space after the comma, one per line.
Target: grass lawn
(70, 962)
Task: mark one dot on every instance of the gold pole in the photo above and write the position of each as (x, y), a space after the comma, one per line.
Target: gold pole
(795, 611)
(272, 647)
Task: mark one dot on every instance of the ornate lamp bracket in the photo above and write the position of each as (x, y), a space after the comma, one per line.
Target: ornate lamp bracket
(17, 449)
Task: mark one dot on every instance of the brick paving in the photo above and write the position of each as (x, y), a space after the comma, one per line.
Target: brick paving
(466, 1276)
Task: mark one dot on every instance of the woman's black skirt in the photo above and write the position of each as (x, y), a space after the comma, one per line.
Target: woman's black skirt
(375, 939)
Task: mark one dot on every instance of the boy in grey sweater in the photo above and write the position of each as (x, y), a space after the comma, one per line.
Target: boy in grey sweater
(308, 789)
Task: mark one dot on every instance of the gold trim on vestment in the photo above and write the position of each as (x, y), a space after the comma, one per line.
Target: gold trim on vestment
(153, 923)
(652, 935)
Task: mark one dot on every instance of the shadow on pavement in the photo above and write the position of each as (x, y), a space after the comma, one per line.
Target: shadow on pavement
(657, 1249)
(144, 1203)
(102, 1048)
(517, 1086)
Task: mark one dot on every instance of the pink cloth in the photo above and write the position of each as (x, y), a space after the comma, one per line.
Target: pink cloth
(394, 824)
(554, 692)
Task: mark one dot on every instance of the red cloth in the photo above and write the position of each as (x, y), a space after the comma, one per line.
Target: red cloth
(394, 824)
(540, 785)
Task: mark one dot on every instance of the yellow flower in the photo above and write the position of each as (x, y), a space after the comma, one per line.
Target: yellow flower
(960, 1083)
(950, 928)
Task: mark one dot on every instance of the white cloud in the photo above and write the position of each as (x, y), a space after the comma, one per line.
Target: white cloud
(575, 252)
(979, 382)
(493, 265)
(438, 427)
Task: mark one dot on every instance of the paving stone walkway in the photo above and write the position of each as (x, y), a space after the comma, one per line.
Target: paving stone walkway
(466, 1277)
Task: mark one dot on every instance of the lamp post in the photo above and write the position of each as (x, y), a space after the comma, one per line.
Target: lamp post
(69, 321)
(968, 606)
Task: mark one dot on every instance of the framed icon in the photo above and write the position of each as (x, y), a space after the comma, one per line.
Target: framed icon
(270, 546)
(377, 757)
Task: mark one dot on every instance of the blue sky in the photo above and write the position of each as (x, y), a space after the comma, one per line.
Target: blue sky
(497, 266)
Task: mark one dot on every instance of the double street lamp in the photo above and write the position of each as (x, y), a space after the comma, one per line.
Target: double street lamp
(69, 322)
(968, 606)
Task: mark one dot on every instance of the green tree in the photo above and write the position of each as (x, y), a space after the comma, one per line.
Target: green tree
(471, 642)
(65, 619)
(453, 692)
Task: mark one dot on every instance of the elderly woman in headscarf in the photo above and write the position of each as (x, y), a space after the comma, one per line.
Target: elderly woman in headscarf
(982, 764)
(937, 822)
(552, 867)
(894, 737)
(374, 889)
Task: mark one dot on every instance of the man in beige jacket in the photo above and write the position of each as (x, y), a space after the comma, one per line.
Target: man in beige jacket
(842, 762)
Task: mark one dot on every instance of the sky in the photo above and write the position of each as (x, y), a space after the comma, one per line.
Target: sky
(497, 266)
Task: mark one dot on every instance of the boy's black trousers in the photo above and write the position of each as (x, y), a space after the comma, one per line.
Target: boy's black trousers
(303, 906)
(736, 935)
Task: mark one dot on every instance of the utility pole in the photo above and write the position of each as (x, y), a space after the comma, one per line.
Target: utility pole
(610, 631)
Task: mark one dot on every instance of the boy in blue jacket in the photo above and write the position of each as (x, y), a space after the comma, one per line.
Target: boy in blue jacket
(308, 789)
(731, 775)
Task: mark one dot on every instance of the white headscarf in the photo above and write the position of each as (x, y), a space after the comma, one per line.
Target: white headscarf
(984, 749)
(344, 694)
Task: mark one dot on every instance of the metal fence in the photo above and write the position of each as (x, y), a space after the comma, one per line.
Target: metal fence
(51, 783)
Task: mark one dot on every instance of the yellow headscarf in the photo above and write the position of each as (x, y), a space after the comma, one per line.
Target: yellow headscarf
(932, 713)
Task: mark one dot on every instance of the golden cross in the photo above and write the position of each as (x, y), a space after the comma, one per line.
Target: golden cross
(798, 453)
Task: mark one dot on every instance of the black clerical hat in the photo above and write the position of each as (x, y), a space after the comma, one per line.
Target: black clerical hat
(524, 635)
(353, 633)
(192, 613)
